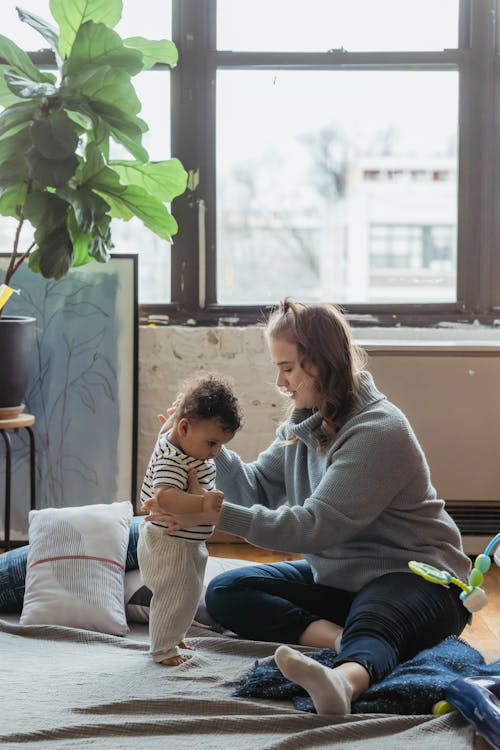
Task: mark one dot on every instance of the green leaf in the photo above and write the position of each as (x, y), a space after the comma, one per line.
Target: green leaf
(71, 15)
(45, 212)
(117, 210)
(14, 146)
(34, 261)
(88, 207)
(125, 129)
(165, 179)
(130, 143)
(104, 178)
(81, 241)
(50, 172)
(96, 45)
(91, 164)
(48, 32)
(104, 84)
(148, 209)
(56, 253)
(83, 121)
(19, 60)
(101, 244)
(97, 129)
(7, 98)
(54, 136)
(12, 199)
(119, 118)
(153, 52)
(25, 88)
(13, 171)
(16, 115)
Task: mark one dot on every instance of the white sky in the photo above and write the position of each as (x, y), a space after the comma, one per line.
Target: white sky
(320, 25)
(262, 107)
(149, 18)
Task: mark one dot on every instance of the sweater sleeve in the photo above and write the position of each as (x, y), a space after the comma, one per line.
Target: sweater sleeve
(260, 482)
(368, 469)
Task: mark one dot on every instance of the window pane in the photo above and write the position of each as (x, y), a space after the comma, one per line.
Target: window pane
(321, 25)
(149, 18)
(342, 184)
(153, 90)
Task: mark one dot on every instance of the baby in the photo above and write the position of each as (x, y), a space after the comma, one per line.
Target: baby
(172, 563)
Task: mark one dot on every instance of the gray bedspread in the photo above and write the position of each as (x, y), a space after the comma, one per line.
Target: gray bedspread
(65, 688)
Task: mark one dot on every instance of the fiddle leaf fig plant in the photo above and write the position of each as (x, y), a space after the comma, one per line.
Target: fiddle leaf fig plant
(56, 174)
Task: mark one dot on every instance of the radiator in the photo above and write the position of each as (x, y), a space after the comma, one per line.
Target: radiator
(450, 391)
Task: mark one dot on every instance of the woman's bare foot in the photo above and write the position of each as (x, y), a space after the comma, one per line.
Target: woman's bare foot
(174, 661)
(184, 645)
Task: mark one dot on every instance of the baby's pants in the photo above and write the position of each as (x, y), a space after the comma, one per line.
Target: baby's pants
(173, 569)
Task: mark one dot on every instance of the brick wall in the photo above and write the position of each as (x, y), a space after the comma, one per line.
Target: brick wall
(169, 354)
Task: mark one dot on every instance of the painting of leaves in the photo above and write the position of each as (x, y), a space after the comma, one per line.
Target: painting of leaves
(83, 389)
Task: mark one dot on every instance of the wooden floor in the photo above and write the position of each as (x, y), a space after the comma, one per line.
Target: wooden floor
(483, 634)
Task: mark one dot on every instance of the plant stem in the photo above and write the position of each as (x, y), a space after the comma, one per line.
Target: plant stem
(23, 257)
(12, 264)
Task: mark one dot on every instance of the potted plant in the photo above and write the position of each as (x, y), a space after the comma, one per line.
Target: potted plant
(56, 176)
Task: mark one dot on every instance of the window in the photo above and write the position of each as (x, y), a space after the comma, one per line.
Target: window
(346, 152)
(338, 150)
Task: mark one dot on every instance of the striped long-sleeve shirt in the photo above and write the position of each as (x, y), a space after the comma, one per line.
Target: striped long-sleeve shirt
(169, 466)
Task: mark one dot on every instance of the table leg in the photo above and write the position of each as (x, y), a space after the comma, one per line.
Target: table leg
(8, 446)
(32, 469)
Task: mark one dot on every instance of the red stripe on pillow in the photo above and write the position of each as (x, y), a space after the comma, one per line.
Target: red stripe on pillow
(77, 557)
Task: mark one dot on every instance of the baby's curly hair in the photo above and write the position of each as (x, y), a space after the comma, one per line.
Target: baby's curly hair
(210, 396)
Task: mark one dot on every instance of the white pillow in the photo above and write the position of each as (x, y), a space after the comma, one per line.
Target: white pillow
(138, 596)
(76, 567)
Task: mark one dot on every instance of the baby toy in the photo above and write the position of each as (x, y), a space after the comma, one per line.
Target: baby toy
(477, 698)
(472, 596)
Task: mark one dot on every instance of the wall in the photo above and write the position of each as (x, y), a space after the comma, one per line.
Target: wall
(169, 354)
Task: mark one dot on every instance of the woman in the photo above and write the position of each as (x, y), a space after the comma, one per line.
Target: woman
(346, 484)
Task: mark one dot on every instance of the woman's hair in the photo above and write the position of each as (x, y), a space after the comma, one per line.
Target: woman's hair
(210, 396)
(324, 343)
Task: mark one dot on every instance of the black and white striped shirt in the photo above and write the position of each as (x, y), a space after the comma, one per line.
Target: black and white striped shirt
(169, 466)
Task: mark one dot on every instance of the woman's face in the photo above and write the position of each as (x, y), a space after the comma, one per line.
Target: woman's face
(296, 382)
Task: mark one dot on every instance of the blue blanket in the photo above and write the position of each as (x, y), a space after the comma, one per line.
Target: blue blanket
(412, 688)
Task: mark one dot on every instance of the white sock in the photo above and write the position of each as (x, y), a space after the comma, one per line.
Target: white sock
(328, 688)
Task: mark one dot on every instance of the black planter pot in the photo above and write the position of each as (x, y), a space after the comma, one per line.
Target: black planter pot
(17, 336)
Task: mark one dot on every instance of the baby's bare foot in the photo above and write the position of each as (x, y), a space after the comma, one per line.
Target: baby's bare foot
(174, 661)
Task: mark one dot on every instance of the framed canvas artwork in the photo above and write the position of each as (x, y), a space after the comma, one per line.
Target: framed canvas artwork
(83, 387)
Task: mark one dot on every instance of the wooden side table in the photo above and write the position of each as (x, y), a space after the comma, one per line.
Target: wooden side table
(16, 423)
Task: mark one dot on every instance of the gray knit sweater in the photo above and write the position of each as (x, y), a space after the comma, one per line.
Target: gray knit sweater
(363, 508)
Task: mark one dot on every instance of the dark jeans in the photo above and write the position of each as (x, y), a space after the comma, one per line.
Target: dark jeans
(388, 621)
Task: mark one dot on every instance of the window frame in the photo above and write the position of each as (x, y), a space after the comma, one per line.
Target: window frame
(193, 96)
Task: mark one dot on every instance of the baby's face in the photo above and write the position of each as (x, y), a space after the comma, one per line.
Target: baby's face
(203, 438)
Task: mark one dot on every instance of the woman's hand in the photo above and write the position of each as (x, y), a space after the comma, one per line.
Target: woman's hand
(194, 485)
(167, 422)
(171, 523)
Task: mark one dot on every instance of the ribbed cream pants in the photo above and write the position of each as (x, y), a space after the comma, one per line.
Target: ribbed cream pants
(173, 569)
